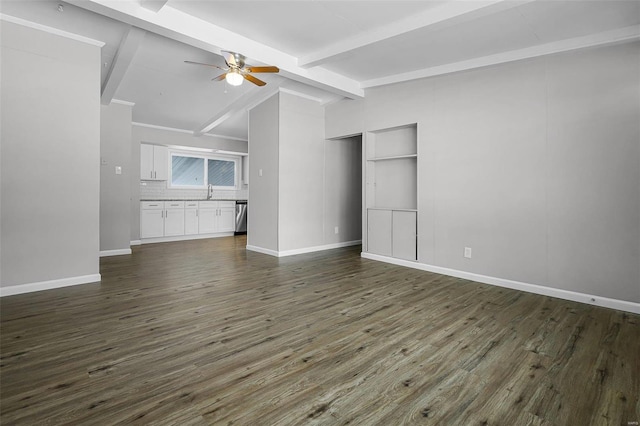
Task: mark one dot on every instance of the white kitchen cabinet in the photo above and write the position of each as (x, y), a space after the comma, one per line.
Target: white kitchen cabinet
(207, 217)
(151, 219)
(154, 162)
(216, 216)
(226, 216)
(179, 218)
(191, 218)
(173, 218)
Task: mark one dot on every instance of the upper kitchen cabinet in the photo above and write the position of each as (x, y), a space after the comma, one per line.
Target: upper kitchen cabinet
(154, 162)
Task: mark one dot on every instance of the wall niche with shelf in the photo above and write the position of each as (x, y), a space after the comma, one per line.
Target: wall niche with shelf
(391, 177)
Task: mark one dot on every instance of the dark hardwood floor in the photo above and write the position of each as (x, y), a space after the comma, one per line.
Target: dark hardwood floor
(204, 332)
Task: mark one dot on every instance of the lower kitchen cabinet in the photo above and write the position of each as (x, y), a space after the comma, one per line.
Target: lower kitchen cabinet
(227, 216)
(191, 218)
(152, 220)
(217, 216)
(207, 217)
(173, 218)
(177, 218)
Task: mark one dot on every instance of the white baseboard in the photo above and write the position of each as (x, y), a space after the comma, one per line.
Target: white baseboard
(262, 250)
(622, 305)
(135, 243)
(48, 285)
(285, 253)
(185, 237)
(318, 248)
(119, 252)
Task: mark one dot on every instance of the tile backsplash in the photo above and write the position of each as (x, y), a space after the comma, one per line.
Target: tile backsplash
(157, 190)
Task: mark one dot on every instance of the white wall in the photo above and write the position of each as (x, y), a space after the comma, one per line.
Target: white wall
(309, 185)
(301, 171)
(140, 134)
(115, 190)
(535, 165)
(50, 142)
(262, 220)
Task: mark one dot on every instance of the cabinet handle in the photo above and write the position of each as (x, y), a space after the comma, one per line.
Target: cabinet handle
(196, 213)
(161, 213)
(151, 174)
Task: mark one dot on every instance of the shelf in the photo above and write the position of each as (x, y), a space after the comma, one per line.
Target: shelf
(393, 157)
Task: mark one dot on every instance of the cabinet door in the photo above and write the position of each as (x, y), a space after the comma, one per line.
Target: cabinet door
(173, 222)
(404, 235)
(226, 219)
(190, 221)
(146, 162)
(379, 232)
(207, 221)
(151, 223)
(160, 162)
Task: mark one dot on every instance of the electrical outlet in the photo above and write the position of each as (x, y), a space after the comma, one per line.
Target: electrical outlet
(467, 252)
(260, 172)
(336, 230)
(118, 170)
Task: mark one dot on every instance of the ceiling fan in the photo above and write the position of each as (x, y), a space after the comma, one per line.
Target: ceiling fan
(237, 70)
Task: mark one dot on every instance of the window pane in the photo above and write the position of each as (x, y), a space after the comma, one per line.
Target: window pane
(187, 171)
(222, 173)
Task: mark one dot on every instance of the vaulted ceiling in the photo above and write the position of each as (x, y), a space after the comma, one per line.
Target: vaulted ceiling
(325, 50)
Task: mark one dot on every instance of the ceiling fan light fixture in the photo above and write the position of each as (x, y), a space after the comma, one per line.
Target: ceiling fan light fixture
(234, 78)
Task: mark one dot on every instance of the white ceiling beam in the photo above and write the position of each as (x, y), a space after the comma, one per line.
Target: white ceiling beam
(126, 51)
(620, 35)
(241, 104)
(153, 5)
(450, 13)
(188, 29)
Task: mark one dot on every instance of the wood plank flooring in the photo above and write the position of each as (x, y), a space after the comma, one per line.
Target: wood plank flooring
(203, 332)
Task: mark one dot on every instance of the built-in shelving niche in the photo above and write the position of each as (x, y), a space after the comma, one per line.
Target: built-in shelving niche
(391, 169)
(391, 177)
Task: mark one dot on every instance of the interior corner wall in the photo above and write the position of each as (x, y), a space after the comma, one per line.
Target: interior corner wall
(301, 173)
(534, 164)
(115, 189)
(262, 220)
(50, 142)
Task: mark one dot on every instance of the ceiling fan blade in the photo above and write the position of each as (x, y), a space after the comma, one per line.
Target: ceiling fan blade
(206, 65)
(231, 59)
(254, 80)
(262, 69)
(220, 77)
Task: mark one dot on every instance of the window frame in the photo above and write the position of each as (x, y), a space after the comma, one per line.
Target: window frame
(205, 180)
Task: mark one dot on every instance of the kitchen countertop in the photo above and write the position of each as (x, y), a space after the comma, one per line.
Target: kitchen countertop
(193, 199)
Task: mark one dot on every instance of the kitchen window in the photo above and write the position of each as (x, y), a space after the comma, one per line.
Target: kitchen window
(198, 171)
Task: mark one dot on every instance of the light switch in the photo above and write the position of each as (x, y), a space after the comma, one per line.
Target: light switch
(260, 172)
(118, 170)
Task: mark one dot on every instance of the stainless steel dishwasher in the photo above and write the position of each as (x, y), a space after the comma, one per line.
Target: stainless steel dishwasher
(241, 217)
